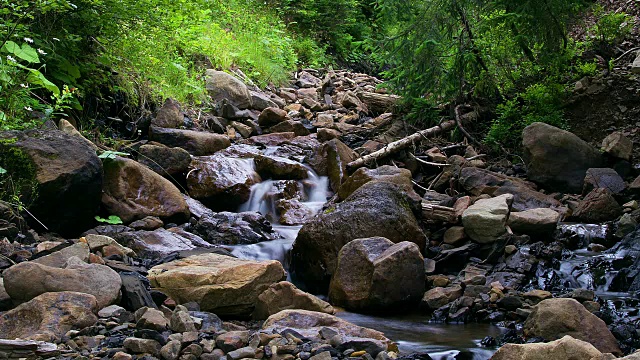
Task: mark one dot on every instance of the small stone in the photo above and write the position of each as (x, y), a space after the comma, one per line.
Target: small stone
(232, 340)
(597, 247)
(142, 346)
(152, 319)
(111, 311)
(633, 204)
(181, 321)
(510, 249)
(454, 235)
(592, 306)
(121, 356)
(357, 353)
(171, 351)
(245, 352)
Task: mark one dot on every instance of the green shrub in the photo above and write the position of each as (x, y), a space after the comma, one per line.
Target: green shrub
(612, 27)
(538, 103)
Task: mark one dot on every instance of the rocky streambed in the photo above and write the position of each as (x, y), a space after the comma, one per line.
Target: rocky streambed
(259, 230)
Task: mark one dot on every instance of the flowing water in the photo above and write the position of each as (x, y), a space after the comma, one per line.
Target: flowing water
(413, 333)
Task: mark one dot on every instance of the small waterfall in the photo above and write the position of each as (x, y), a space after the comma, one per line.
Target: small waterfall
(263, 200)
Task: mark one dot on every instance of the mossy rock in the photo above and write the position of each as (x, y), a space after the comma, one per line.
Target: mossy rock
(58, 177)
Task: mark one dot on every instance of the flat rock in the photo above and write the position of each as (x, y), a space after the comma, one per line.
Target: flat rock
(219, 284)
(161, 242)
(566, 348)
(59, 258)
(227, 228)
(605, 178)
(541, 222)
(197, 143)
(284, 296)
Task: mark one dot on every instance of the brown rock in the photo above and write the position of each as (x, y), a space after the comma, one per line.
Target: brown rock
(325, 135)
(27, 280)
(197, 143)
(384, 173)
(279, 168)
(598, 206)
(290, 126)
(541, 222)
(49, 316)
(283, 296)
(454, 235)
(331, 159)
(618, 145)
(219, 284)
(566, 348)
(132, 191)
(552, 319)
(271, 116)
(164, 160)
(439, 296)
(169, 115)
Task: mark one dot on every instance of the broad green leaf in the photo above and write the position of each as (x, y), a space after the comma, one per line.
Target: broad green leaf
(24, 52)
(2, 170)
(111, 154)
(36, 77)
(112, 219)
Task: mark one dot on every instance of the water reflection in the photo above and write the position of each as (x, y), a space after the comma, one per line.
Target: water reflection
(414, 333)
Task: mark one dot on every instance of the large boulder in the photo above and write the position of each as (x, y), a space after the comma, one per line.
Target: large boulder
(27, 280)
(478, 181)
(197, 143)
(375, 209)
(552, 319)
(331, 159)
(557, 159)
(220, 284)
(222, 86)
(311, 323)
(566, 348)
(133, 191)
(376, 274)
(222, 183)
(284, 296)
(227, 228)
(164, 160)
(485, 220)
(385, 173)
(58, 177)
(160, 242)
(49, 316)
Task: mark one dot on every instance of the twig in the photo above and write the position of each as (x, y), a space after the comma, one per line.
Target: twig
(625, 54)
(419, 186)
(429, 162)
(476, 157)
(435, 180)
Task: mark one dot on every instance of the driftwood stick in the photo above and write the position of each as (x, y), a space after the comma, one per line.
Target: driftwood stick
(396, 146)
(439, 213)
(462, 129)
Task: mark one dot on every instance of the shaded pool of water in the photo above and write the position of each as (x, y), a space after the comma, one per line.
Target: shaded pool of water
(413, 333)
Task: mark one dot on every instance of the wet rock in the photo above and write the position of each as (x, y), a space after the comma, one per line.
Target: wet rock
(311, 324)
(552, 319)
(66, 172)
(27, 280)
(539, 222)
(598, 206)
(197, 143)
(439, 296)
(226, 228)
(169, 115)
(218, 283)
(164, 160)
(385, 173)
(222, 86)
(271, 116)
(59, 258)
(49, 316)
(566, 348)
(327, 134)
(478, 181)
(376, 274)
(283, 296)
(293, 212)
(161, 242)
(135, 293)
(274, 139)
(132, 191)
(331, 159)
(485, 220)
(626, 225)
(222, 183)
(557, 159)
(618, 146)
(603, 178)
(279, 168)
(375, 209)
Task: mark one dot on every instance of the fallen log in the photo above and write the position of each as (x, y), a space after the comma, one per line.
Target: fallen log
(432, 212)
(396, 146)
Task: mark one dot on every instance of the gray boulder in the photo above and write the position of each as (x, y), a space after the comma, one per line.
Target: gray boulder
(221, 86)
(557, 159)
(485, 221)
